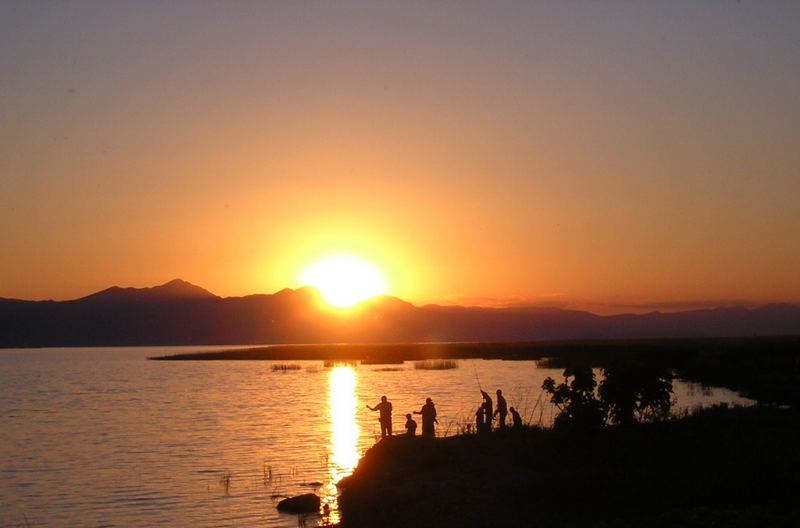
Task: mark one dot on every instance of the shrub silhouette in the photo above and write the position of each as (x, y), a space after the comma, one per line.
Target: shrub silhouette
(575, 398)
(630, 392)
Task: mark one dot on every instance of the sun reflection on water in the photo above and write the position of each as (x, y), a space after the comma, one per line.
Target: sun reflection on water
(343, 448)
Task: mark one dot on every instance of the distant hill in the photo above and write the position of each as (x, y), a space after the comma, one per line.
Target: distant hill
(180, 313)
(174, 290)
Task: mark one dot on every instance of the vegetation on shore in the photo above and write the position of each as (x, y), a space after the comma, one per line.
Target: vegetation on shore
(720, 466)
(436, 364)
(615, 456)
(766, 369)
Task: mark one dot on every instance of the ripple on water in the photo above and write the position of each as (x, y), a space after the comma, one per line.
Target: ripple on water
(103, 437)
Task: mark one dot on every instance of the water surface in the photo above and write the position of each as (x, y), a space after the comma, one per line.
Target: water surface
(103, 437)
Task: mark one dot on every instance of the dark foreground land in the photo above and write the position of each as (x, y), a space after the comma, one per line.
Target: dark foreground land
(721, 467)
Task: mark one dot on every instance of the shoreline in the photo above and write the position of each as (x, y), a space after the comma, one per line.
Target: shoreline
(737, 466)
(723, 362)
(583, 350)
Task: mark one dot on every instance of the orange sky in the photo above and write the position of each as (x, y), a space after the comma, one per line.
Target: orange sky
(581, 155)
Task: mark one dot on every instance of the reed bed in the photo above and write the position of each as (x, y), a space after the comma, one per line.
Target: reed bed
(285, 367)
(549, 362)
(436, 364)
(330, 363)
(382, 361)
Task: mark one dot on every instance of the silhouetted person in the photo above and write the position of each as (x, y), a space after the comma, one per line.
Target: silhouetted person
(488, 409)
(385, 407)
(411, 426)
(487, 417)
(428, 413)
(516, 419)
(480, 420)
(502, 409)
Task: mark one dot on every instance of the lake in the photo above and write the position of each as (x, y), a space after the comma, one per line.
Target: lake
(103, 437)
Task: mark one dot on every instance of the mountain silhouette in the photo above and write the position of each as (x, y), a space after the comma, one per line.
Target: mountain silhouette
(180, 313)
(173, 290)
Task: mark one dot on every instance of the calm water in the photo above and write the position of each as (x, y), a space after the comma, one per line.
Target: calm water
(103, 437)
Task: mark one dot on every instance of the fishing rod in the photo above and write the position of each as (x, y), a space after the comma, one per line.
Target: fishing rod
(480, 388)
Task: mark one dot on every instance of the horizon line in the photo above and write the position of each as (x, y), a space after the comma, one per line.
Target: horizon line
(598, 308)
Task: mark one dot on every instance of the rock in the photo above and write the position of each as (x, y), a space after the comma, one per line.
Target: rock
(306, 503)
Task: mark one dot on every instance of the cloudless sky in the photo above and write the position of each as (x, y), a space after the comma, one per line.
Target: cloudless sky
(611, 154)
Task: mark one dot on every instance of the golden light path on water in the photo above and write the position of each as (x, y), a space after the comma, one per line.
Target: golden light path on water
(344, 432)
(118, 440)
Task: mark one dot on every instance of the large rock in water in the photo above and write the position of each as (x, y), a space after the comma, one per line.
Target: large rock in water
(306, 503)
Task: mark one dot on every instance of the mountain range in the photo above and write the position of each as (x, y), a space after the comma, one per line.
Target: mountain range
(180, 313)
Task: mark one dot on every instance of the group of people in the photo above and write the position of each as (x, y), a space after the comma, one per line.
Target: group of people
(428, 412)
(484, 416)
(486, 413)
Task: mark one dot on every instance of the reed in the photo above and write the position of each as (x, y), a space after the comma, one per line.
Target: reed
(225, 481)
(549, 362)
(285, 367)
(436, 364)
(330, 363)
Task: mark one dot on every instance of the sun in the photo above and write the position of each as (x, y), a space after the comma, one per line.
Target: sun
(344, 280)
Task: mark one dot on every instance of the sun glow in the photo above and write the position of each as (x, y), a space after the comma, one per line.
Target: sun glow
(343, 419)
(344, 280)
(343, 448)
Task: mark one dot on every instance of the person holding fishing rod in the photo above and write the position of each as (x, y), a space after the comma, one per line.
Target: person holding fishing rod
(486, 407)
(385, 419)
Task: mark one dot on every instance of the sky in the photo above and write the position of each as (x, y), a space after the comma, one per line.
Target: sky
(620, 156)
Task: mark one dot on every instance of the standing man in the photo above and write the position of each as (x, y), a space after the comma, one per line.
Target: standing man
(488, 409)
(428, 413)
(502, 409)
(385, 407)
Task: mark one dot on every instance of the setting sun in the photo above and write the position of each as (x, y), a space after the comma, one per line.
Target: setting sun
(344, 280)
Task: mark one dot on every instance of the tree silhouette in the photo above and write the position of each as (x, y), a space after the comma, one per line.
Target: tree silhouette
(575, 398)
(632, 392)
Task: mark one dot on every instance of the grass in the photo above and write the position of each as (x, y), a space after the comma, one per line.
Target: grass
(436, 364)
(285, 367)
